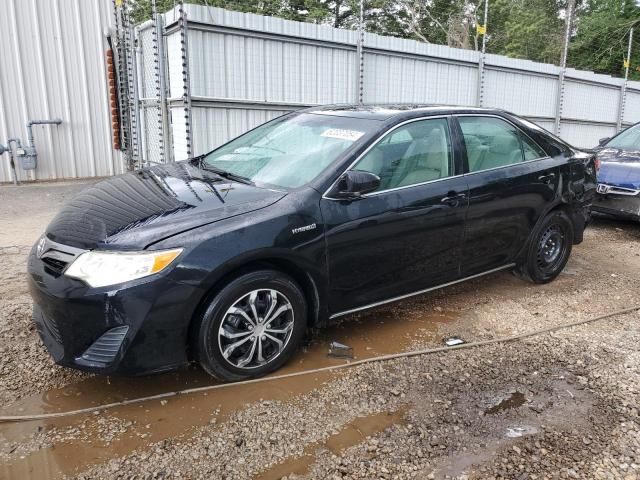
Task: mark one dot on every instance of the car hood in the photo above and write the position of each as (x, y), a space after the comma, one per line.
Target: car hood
(139, 208)
(619, 167)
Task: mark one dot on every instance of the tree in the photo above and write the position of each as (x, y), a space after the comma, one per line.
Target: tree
(531, 29)
(338, 13)
(601, 37)
(448, 22)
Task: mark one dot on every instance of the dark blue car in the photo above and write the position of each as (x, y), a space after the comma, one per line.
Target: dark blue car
(618, 191)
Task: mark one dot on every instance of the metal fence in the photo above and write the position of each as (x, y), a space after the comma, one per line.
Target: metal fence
(192, 78)
(227, 71)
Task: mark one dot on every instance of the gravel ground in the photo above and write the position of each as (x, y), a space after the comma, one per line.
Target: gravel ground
(560, 405)
(26, 211)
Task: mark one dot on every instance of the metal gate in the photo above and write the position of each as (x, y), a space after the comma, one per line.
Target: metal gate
(147, 122)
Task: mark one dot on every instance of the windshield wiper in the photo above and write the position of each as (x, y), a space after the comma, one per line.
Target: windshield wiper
(225, 174)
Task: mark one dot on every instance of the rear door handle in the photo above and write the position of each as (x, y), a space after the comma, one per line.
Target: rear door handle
(548, 178)
(453, 199)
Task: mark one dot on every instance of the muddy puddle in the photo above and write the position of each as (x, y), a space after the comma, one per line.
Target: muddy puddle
(67, 445)
(352, 434)
(514, 400)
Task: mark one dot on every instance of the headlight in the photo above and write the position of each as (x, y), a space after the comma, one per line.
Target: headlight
(100, 269)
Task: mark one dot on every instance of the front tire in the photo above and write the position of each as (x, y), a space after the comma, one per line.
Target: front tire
(252, 326)
(548, 250)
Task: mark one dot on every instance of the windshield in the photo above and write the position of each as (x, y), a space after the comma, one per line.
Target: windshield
(289, 152)
(627, 140)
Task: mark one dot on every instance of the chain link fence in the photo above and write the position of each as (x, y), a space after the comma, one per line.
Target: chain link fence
(142, 93)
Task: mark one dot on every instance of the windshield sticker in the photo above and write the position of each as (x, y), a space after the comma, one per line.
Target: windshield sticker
(351, 135)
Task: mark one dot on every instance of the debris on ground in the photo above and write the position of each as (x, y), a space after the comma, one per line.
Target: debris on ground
(337, 349)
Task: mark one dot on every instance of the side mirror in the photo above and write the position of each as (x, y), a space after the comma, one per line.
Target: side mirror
(355, 183)
(603, 140)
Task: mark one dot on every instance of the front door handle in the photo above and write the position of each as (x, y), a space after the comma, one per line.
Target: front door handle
(453, 199)
(548, 178)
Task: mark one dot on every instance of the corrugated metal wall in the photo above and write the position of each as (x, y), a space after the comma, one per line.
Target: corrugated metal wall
(52, 64)
(245, 69)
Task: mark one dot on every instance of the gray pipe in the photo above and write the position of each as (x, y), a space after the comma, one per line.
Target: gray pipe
(30, 150)
(17, 141)
(31, 155)
(30, 123)
(12, 162)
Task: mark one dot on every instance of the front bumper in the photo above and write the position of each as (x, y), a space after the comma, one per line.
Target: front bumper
(623, 206)
(136, 328)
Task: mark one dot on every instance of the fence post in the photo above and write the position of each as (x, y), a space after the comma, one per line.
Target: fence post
(143, 152)
(121, 50)
(136, 131)
(164, 75)
(563, 67)
(134, 102)
(128, 88)
(160, 81)
(186, 97)
(483, 31)
(623, 90)
(360, 55)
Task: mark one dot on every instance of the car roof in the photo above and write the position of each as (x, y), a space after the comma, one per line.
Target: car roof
(385, 112)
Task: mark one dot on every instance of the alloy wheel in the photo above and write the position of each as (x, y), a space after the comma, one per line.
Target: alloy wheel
(256, 328)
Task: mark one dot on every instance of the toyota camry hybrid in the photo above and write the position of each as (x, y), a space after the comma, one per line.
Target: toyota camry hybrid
(229, 258)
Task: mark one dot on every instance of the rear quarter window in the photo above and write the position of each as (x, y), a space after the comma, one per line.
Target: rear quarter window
(530, 149)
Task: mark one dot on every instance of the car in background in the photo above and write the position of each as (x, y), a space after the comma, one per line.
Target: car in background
(229, 258)
(618, 191)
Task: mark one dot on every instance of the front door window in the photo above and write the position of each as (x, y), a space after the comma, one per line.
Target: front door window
(412, 154)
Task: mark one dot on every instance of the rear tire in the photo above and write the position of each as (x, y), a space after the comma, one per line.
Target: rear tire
(252, 326)
(548, 250)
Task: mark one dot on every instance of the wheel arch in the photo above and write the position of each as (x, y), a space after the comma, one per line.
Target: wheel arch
(311, 287)
(576, 217)
(559, 205)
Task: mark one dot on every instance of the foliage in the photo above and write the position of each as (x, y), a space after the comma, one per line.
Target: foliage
(601, 37)
(529, 29)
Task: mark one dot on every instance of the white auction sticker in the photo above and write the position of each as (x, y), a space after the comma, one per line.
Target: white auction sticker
(351, 135)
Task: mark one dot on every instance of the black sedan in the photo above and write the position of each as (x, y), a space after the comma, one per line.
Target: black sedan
(619, 175)
(229, 258)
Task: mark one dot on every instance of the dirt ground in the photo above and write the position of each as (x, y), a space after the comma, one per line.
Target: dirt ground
(559, 405)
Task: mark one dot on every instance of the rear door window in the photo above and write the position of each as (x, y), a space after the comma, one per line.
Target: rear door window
(493, 143)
